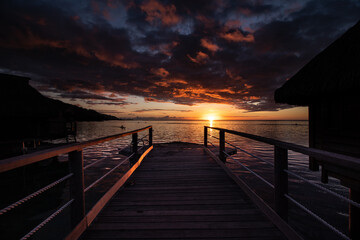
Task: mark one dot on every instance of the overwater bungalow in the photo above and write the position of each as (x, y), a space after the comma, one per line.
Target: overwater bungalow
(329, 85)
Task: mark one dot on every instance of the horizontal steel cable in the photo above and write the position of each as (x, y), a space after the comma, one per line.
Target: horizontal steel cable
(324, 189)
(261, 159)
(38, 192)
(257, 175)
(213, 136)
(101, 159)
(92, 164)
(316, 217)
(144, 136)
(298, 176)
(106, 174)
(43, 223)
(212, 144)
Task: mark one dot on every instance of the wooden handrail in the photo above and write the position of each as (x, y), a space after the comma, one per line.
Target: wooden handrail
(76, 162)
(340, 164)
(26, 159)
(337, 159)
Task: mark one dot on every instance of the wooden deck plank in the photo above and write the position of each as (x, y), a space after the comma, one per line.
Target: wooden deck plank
(184, 234)
(180, 193)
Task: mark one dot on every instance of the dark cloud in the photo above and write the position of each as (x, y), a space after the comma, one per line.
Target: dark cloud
(160, 109)
(185, 52)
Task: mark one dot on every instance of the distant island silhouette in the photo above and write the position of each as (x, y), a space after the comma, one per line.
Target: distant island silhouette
(27, 114)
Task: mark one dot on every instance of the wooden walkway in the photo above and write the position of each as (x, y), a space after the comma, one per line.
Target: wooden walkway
(179, 192)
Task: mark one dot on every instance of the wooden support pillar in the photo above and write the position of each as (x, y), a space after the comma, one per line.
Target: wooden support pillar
(205, 136)
(150, 136)
(313, 164)
(77, 187)
(281, 182)
(324, 174)
(354, 214)
(222, 155)
(134, 148)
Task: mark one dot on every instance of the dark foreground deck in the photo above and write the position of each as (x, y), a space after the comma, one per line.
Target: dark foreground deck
(179, 192)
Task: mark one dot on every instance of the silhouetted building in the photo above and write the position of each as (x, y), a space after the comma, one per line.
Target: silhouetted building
(330, 85)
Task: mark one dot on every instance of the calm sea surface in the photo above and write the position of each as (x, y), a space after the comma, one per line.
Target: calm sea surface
(328, 207)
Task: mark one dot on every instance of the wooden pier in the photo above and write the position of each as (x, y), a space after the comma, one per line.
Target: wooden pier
(180, 192)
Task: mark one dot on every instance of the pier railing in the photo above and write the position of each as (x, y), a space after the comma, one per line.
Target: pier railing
(346, 165)
(80, 220)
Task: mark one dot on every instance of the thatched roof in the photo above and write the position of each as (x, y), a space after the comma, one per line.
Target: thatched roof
(333, 72)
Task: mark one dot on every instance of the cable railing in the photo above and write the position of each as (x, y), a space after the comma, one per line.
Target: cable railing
(79, 221)
(106, 174)
(281, 173)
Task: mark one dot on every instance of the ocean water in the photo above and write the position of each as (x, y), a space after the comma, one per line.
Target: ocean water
(192, 131)
(321, 203)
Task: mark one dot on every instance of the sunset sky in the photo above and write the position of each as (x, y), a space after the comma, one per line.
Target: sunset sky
(161, 59)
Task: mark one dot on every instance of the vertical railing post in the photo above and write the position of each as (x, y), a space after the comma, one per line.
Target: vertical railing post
(134, 148)
(77, 187)
(150, 137)
(222, 146)
(205, 136)
(281, 181)
(354, 214)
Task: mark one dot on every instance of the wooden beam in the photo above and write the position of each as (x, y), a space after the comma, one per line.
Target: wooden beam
(222, 146)
(354, 215)
(205, 136)
(150, 136)
(281, 182)
(77, 187)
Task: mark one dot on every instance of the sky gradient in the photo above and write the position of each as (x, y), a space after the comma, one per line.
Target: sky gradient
(169, 59)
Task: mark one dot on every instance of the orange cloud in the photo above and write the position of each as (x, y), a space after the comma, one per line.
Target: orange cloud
(28, 40)
(156, 11)
(206, 43)
(237, 36)
(161, 72)
(208, 23)
(114, 60)
(233, 75)
(233, 24)
(200, 58)
(169, 82)
(150, 99)
(165, 48)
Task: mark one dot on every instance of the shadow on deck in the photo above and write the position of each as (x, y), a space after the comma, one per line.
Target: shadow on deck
(180, 192)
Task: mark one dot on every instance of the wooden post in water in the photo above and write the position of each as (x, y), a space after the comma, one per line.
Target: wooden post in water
(281, 182)
(354, 214)
(222, 146)
(77, 187)
(134, 148)
(150, 137)
(205, 136)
